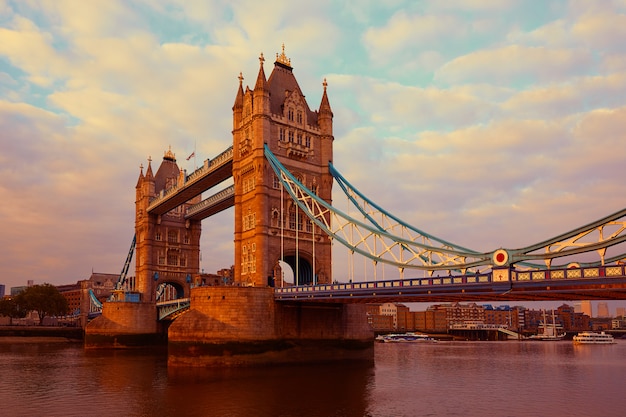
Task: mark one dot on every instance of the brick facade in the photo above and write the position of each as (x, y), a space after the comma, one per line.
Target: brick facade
(168, 246)
(268, 225)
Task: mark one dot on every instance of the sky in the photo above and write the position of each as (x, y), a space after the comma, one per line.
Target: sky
(487, 123)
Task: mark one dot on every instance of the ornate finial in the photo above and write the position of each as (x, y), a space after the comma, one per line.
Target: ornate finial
(282, 58)
(149, 159)
(261, 58)
(141, 168)
(325, 84)
(240, 78)
(169, 154)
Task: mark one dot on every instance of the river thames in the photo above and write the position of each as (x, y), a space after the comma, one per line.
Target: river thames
(423, 379)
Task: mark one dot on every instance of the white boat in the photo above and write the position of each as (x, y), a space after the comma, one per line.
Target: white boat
(405, 338)
(591, 338)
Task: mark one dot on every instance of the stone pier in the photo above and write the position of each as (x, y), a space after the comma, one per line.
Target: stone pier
(244, 326)
(124, 325)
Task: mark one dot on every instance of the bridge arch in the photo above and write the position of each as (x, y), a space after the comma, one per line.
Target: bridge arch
(301, 266)
(171, 289)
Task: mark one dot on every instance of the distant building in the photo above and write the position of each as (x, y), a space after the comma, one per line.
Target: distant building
(509, 317)
(603, 309)
(462, 314)
(584, 307)
(16, 290)
(1, 290)
(620, 312)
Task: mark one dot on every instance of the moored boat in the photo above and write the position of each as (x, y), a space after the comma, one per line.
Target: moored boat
(549, 331)
(592, 338)
(405, 338)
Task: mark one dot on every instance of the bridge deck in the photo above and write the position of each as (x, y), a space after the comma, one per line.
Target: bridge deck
(212, 173)
(597, 283)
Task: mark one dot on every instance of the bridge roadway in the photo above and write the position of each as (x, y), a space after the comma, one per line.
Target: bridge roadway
(588, 283)
(210, 174)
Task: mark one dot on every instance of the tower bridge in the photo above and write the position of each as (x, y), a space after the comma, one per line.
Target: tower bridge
(281, 166)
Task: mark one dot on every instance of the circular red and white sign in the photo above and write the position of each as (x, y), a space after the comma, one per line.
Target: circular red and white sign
(500, 257)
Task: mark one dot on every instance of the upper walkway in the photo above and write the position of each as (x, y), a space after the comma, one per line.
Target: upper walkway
(211, 173)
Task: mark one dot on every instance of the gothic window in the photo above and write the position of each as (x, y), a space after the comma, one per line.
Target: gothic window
(172, 236)
(290, 114)
(292, 218)
(275, 218)
(172, 259)
(249, 183)
(282, 134)
(157, 236)
(307, 141)
(244, 255)
(299, 138)
(276, 182)
(290, 136)
(299, 117)
(249, 221)
(161, 259)
(187, 239)
(309, 225)
(183, 261)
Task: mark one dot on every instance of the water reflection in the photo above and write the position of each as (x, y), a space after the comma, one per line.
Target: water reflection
(442, 379)
(311, 390)
(56, 380)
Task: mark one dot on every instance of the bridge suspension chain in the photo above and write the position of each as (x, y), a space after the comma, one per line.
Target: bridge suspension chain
(373, 240)
(376, 236)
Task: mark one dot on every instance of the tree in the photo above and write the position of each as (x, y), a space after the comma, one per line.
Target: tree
(9, 308)
(45, 299)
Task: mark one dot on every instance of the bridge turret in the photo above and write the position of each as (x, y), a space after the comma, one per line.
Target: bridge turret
(276, 114)
(261, 101)
(238, 106)
(168, 246)
(325, 122)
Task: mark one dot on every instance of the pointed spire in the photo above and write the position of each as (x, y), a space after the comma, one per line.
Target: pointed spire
(141, 177)
(149, 173)
(325, 104)
(261, 81)
(239, 98)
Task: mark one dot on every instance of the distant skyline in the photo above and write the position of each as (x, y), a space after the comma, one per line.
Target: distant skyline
(486, 123)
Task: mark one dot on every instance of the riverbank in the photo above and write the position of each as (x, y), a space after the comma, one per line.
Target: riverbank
(40, 334)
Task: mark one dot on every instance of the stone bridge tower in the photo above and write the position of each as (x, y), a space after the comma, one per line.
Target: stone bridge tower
(268, 225)
(168, 246)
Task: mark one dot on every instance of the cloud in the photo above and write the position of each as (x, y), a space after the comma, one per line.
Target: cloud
(486, 126)
(515, 65)
(579, 94)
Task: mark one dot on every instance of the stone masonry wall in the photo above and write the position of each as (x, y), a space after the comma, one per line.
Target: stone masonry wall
(226, 314)
(125, 318)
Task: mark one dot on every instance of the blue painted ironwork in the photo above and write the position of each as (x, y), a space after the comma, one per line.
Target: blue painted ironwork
(378, 239)
(95, 306)
(173, 308)
(121, 282)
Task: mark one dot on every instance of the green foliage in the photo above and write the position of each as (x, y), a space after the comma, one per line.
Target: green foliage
(45, 299)
(9, 308)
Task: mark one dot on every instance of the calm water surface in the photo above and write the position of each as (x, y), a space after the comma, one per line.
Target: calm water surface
(439, 379)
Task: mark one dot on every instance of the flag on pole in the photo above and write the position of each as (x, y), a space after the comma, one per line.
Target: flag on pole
(192, 155)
